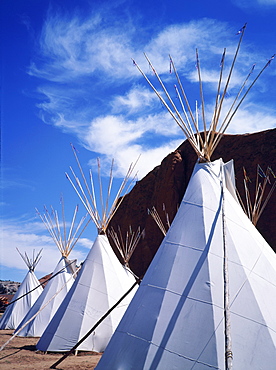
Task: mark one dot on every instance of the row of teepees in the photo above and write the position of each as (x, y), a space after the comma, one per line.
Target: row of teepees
(191, 310)
(208, 298)
(65, 238)
(102, 276)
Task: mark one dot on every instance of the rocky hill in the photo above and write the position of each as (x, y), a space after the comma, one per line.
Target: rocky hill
(8, 287)
(166, 184)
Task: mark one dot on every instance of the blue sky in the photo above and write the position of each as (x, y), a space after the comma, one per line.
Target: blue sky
(67, 77)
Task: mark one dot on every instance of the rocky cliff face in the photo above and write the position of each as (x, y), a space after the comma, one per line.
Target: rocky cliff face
(8, 287)
(167, 183)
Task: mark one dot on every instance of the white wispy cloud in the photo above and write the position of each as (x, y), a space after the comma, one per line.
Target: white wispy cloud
(89, 87)
(249, 118)
(29, 235)
(138, 98)
(252, 118)
(181, 41)
(76, 47)
(92, 90)
(125, 140)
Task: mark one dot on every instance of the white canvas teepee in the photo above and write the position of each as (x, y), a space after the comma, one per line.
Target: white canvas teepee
(30, 289)
(208, 298)
(39, 316)
(177, 316)
(101, 282)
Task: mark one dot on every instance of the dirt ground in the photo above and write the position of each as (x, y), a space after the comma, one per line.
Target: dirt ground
(21, 353)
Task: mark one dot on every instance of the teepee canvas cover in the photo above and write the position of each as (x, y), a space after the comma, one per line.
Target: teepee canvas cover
(61, 283)
(177, 316)
(208, 298)
(16, 311)
(101, 282)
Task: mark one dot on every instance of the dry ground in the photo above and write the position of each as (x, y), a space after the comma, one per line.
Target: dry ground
(21, 353)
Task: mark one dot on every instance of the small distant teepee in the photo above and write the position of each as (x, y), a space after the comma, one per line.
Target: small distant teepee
(26, 295)
(39, 316)
(101, 282)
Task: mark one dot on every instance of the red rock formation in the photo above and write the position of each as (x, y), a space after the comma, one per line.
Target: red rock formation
(167, 183)
(44, 280)
(5, 299)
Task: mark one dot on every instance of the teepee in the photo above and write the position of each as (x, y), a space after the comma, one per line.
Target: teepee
(26, 295)
(208, 298)
(65, 238)
(102, 280)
